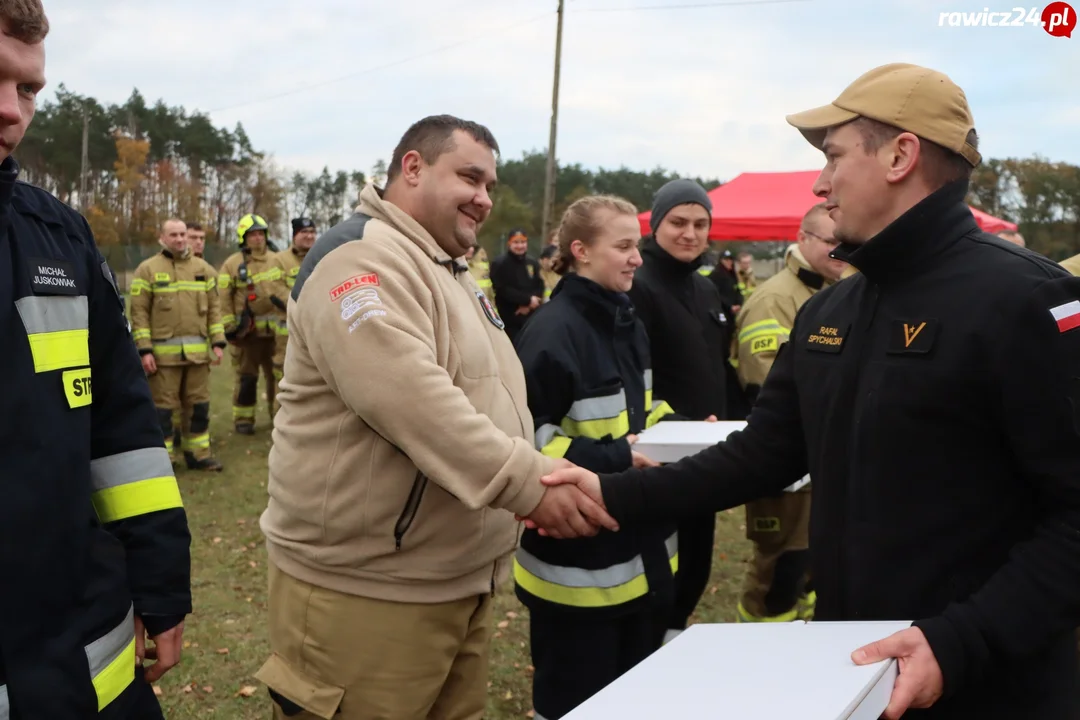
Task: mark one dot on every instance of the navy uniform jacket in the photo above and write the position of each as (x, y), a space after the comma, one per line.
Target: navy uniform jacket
(934, 397)
(589, 379)
(92, 528)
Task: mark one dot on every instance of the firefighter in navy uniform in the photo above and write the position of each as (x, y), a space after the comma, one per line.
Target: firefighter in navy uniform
(933, 398)
(586, 361)
(94, 542)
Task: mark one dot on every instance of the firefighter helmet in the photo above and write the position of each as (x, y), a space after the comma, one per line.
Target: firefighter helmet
(249, 223)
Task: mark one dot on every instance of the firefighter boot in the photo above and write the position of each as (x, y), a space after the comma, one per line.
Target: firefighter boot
(244, 404)
(197, 448)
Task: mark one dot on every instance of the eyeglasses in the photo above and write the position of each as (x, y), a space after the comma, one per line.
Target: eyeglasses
(828, 241)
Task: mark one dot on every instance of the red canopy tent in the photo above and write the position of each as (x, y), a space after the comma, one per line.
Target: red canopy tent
(770, 206)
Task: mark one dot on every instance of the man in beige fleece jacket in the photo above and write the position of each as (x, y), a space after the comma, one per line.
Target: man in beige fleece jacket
(402, 452)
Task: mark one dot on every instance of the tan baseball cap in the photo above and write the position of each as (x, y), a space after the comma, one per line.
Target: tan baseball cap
(915, 99)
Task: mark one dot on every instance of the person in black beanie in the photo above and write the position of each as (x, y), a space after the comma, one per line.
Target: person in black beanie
(517, 282)
(689, 328)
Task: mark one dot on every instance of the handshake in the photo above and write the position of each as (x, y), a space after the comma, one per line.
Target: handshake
(573, 504)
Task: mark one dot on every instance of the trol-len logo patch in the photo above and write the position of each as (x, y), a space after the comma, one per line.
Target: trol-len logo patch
(353, 283)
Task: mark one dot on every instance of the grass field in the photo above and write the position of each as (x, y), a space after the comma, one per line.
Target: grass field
(225, 638)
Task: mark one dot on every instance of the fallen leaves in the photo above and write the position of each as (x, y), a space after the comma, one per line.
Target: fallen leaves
(222, 651)
(217, 540)
(247, 691)
(158, 691)
(504, 624)
(208, 689)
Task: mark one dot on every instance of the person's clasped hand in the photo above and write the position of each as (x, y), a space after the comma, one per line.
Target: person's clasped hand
(920, 683)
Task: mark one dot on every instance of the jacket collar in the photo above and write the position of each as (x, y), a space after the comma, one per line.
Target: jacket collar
(915, 237)
(665, 262)
(174, 257)
(298, 252)
(9, 175)
(796, 263)
(373, 205)
(257, 253)
(594, 300)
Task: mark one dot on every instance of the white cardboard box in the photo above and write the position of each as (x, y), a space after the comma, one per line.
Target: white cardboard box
(758, 671)
(668, 442)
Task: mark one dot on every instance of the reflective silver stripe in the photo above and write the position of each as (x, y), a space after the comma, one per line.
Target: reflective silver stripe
(53, 313)
(648, 379)
(182, 340)
(99, 655)
(546, 434)
(608, 577)
(107, 648)
(601, 408)
(130, 467)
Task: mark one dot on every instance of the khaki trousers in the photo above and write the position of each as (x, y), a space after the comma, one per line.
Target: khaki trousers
(184, 386)
(249, 356)
(342, 657)
(779, 527)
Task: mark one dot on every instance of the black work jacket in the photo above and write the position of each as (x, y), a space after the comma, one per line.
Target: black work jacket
(935, 400)
(689, 331)
(92, 528)
(587, 370)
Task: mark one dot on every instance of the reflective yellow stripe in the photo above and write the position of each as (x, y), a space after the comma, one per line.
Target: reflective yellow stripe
(137, 498)
(133, 483)
(78, 387)
(597, 417)
(486, 283)
(557, 448)
(660, 410)
(224, 282)
(141, 334)
(57, 328)
(753, 328)
(197, 442)
(266, 276)
(243, 413)
(59, 350)
(111, 660)
(746, 617)
(228, 319)
(217, 329)
(138, 285)
(577, 587)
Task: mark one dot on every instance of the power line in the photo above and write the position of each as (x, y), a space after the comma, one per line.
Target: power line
(689, 6)
(384, 66)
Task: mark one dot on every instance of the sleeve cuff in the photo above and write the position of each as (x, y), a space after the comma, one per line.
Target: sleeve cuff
(948, 649)
(145, 351)
(221, 344)
(157, 624)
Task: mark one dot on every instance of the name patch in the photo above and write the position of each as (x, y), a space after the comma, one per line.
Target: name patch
(77, 387)
(827, 339)
(52, 277)
(353, 283)
(912, 336)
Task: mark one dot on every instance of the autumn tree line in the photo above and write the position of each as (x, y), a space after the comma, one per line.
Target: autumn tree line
(127, 167)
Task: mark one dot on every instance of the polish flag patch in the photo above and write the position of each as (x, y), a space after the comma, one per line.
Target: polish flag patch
(353, 283)
(1067, 316)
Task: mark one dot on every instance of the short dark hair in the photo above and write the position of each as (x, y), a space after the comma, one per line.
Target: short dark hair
(432, 137)
(940, 165)
(24, 20)
(194, 226)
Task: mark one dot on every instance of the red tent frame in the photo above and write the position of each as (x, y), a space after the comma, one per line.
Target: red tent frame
(770, 206)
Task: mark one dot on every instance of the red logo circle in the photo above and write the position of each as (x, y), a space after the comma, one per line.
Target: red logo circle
(1059, 19)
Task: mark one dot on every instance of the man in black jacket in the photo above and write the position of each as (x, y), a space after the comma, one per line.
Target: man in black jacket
(934, 399)
(689, 331)
(517, 282)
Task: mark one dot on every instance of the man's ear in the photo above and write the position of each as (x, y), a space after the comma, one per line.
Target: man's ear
(903, 156)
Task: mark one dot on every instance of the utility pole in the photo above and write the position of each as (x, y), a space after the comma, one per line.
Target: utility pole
(85, 158)
(549, 180)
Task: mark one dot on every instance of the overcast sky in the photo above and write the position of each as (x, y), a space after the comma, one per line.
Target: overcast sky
(701, 91)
